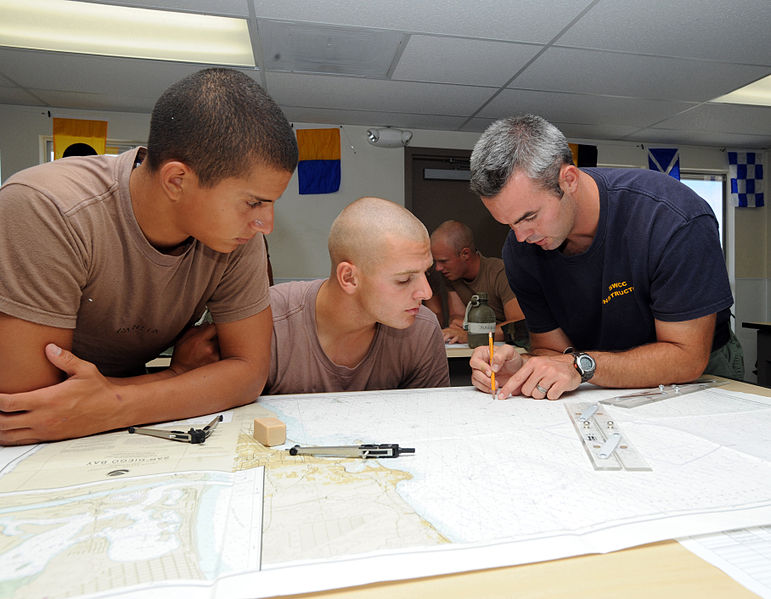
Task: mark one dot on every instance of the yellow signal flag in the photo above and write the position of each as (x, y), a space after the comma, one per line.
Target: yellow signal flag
(78, 137)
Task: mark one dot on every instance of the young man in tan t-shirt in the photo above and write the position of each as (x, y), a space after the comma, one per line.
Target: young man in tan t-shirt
(364, 327)
(106, 261)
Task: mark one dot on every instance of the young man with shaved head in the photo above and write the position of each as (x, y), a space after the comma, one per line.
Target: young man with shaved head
(365, 326)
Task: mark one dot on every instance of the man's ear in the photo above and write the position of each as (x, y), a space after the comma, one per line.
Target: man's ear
(568, 178)
(174, 177)
(465, 253)
(347, 276)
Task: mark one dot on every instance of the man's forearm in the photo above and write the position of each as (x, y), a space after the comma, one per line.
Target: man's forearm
(165, 395)
(660, 363)
(143, 378)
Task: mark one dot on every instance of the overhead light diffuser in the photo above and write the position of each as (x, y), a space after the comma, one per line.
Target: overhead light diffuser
(309, 48)
(89, 28)
(757, 93)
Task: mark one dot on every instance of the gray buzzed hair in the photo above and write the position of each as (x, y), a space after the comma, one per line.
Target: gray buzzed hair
(528, 143)
(360, 231)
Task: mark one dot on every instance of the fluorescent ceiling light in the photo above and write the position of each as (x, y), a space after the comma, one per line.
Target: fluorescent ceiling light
(758, 93)
(89, 28)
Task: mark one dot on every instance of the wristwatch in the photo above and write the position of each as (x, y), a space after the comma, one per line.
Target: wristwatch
(584, 364)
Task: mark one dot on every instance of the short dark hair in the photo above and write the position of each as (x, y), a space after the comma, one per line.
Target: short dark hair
(526, 142)
(220, 123)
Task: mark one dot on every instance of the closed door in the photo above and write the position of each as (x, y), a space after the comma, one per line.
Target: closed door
(437, 189)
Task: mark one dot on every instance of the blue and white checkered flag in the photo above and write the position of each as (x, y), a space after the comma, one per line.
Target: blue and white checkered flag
(746, 174)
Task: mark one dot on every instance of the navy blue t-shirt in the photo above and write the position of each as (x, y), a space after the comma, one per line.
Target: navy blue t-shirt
(656, 255)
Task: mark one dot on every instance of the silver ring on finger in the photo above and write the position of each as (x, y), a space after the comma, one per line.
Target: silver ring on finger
(541, 389)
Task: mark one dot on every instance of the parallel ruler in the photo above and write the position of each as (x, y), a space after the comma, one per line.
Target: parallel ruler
(662, 392)
(603, 440)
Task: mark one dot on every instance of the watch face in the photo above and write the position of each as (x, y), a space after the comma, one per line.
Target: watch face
(586, 362)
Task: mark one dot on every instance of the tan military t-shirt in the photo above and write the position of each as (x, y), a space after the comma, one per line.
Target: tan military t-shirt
(72, 256)
(491, 279)
(397, 359)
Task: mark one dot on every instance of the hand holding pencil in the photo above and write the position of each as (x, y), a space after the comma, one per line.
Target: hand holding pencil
(504, 359)
(492, 373)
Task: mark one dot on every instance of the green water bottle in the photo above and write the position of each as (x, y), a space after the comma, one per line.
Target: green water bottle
(479, 320)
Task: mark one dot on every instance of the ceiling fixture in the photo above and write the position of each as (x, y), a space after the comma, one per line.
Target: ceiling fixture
(109, 30)
(757, 93)
(309, 48)
(388, 137)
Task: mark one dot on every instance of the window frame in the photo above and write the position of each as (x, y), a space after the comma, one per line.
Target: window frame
(722, 177)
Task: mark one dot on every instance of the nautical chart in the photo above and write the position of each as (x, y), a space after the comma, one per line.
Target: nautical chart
(491, 483)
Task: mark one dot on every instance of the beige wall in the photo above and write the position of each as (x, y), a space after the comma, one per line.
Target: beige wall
(753, 228)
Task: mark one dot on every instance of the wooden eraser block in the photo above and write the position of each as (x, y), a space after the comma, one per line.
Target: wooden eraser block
(269, 431)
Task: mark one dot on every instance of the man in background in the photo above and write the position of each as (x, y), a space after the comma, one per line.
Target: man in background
(467, 272)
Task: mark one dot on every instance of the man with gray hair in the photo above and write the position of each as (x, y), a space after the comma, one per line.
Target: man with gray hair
(619, 272)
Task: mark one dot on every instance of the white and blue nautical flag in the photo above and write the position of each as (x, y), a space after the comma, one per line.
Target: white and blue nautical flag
(665, 160)
(746, 173)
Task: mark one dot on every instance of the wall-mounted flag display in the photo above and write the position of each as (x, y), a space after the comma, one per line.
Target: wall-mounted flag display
(77, 137)
(318, 170)
(746, 173)
(665, 160)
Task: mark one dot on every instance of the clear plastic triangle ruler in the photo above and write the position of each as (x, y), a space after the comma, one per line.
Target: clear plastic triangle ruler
(632, 400)
(603, 440)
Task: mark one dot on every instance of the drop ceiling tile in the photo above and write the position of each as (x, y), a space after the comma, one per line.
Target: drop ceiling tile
(367, 118)
(521, 21)
(477, 125)
(91, 74)
(331, 116)
(464, 61)
(611, 73)
(17, 95)
(597, 131)
(96, 101)
(313, 48)
(583, 108)
(344, 93)
(736, 31)
(431, 122)
(701, 138)
(723, 118)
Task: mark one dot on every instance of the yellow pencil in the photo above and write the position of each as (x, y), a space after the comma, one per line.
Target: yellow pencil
(492, 373)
